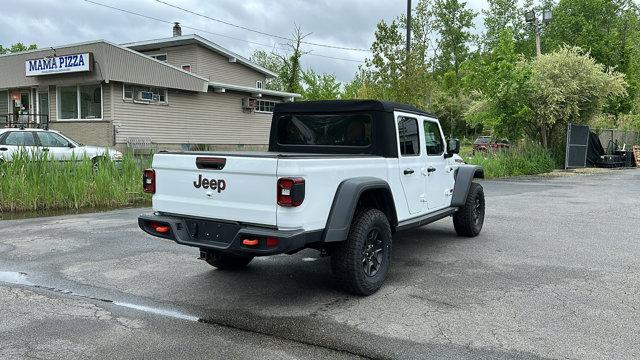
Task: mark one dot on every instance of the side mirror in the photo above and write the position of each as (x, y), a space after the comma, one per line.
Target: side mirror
(453, 147)
(70, 145)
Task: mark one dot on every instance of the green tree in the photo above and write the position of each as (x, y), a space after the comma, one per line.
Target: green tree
(501, 15)
(16, 48)
(292, 72)
(286, 66)
(391, 73)
(498, 83)
(569, 86)
(453, 21)
(320, 86)
(273, 62)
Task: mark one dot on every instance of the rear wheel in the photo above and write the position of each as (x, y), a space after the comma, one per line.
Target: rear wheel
(360, 264)
(97, 163)
(468, 219)
(224, 261)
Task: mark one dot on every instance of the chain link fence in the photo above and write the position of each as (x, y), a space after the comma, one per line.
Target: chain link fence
(613, 139)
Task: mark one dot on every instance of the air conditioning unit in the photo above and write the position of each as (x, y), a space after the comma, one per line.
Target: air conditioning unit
(249, 103)
(145, 96)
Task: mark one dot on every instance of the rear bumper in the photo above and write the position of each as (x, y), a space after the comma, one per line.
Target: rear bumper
(227, 236)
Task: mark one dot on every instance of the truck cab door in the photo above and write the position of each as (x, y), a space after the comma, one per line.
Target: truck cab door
(439, 184)
(411, 161)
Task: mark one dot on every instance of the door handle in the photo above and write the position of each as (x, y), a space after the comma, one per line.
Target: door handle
(3, 149)
(408, 171)
(431, 169)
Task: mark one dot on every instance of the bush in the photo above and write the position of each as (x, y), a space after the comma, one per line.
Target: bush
(31, 183)
(528, 159)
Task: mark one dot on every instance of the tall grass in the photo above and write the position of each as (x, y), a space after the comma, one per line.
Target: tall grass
(526, 159)
(35, 182)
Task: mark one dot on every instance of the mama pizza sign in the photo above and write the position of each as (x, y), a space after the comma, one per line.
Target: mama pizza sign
(59, 64)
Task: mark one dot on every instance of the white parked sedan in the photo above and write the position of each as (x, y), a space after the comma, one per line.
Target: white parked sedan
(58, 146)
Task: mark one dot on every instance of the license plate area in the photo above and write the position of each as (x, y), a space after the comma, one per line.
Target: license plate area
(212, 232)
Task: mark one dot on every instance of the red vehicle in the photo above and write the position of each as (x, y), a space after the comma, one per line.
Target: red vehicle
(485, 143)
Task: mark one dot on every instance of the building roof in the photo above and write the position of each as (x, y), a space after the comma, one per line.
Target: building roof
(197, 39)
(109, 57)
(347, 106)
(222, 87)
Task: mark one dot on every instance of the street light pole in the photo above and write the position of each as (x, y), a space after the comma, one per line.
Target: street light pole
(538, 47)
(531, 17)
(408, 27)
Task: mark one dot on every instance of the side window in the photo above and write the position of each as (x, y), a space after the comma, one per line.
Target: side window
(433, 139)
(409, 136)
(19, 138)
(48, 139)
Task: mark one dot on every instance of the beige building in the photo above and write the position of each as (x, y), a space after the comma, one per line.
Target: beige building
(176, 92)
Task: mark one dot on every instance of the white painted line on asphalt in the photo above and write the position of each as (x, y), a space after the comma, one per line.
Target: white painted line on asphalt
(157, 311)
(14, 277)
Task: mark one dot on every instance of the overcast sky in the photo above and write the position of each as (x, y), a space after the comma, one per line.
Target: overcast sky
(348, 23)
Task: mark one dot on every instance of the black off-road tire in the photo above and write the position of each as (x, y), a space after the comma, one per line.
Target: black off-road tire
(468, 219)
(353, 261)
(224, 261)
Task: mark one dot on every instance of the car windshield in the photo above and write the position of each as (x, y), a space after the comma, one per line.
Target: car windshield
(482, 140)
(325, 130)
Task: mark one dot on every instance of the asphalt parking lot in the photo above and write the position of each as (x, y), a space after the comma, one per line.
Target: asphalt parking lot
(554, 274)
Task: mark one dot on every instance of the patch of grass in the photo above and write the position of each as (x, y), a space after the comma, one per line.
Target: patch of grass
(35, 182)
(527, 159)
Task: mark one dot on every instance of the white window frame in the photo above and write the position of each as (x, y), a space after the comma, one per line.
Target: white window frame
(260, 84)
(189, 65)
(154, 56)
(265, 112)
(133, 99)
(79, 118)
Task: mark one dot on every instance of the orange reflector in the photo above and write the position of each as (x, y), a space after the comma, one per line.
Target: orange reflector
(272, 242)
(162, 229)
(250, 242)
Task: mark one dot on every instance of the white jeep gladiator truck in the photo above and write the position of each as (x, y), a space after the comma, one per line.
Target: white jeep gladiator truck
(341, 177)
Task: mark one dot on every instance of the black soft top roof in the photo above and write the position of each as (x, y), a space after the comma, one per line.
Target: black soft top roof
(330, 106)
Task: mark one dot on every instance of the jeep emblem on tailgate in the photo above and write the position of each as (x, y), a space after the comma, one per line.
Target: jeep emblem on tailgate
(210, 184)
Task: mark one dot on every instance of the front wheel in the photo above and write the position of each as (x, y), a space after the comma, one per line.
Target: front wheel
(468, 219)
(224, 261)
(360, 264)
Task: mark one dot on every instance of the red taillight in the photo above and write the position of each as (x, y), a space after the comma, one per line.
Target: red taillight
(149, 181)
(290, 191)
(272, 242)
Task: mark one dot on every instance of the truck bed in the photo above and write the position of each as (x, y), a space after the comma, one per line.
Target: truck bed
(269, 154)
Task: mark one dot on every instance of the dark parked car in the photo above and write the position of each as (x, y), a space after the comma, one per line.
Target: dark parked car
(485, 143)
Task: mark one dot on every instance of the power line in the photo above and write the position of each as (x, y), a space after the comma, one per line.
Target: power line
(260, 32)
(212, 33)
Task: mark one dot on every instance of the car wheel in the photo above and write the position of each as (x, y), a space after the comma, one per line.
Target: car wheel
(468, 219)
(224, 261)
(96, 164)
(360, 264)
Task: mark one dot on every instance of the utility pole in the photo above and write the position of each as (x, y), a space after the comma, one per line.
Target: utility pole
(408, 27)
(537, 30)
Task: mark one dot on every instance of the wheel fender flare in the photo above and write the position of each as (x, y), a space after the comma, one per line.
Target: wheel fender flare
(345, 202)
(464, 175)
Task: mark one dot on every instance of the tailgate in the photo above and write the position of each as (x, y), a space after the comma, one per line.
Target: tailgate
(225, 187)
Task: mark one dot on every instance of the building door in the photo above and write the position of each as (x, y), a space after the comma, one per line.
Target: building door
(43, 107)
(20, 102)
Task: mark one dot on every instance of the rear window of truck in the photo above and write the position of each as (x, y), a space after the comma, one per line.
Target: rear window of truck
(325, 130)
